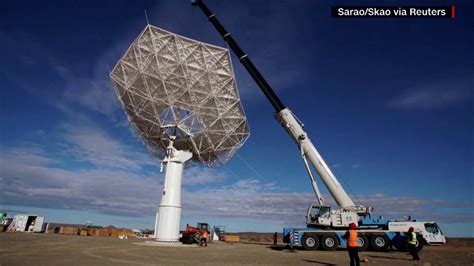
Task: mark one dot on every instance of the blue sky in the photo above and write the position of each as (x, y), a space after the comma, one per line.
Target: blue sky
(387, 101)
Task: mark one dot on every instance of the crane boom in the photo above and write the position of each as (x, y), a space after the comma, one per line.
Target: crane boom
(323, 222)
(286, 118)
(295, 130)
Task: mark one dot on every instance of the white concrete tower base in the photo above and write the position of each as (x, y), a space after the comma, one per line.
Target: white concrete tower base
(168, 216)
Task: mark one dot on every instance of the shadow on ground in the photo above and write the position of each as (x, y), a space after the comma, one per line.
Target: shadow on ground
(385, 257)
(277, 247)
(320, 262)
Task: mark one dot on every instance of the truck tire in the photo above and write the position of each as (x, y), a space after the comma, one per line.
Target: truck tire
(399, 242)
(329, 242)
(310, 242)
(419, 242)
(363, 242)
(379, 242)
(401, 246)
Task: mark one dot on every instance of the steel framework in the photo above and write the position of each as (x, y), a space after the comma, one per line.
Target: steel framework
(170, 85)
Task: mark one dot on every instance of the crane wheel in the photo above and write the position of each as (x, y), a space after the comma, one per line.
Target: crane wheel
(399, 242)
(379, 242)
(310, 242)
(363, 242)
(329, 242)
(400, 246)
(419, 242)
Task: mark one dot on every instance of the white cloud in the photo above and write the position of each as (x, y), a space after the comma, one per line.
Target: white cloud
(355, 166)
(202, 175)
(38, 182)
(93, 171)
(92, 92)
(287, 208)
(115, 181)
(91, 144)
(116, 178)
(435, 95)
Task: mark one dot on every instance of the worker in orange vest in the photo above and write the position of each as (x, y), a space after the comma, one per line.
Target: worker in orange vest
(204, 238)
(352, 245)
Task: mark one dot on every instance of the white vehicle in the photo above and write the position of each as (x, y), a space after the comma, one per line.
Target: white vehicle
(430, 231)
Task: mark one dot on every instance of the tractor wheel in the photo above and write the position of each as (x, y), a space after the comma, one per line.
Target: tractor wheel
(310, 242)
(187, 239)
(363, 242)
(379, 242)
(329, 242)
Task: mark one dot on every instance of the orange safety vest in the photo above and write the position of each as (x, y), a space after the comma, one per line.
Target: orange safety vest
(204, 234)
(352, 241)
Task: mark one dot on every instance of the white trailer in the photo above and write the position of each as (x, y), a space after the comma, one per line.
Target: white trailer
(27, 223)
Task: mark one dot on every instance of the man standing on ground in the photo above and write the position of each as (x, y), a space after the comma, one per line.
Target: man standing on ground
(412, 243)
(204, 238)
(352, 245)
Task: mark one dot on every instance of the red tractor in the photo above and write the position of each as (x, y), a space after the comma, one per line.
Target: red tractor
(193, 234)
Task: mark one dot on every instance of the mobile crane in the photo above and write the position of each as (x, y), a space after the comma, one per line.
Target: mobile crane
(325, 226)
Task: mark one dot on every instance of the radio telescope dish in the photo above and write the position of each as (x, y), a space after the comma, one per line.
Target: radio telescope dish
(170, 85)
(181, 97)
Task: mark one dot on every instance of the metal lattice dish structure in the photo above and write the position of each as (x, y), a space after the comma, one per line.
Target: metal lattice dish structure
(170, 85)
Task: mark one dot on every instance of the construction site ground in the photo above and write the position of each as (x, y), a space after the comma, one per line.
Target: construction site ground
(55, 249)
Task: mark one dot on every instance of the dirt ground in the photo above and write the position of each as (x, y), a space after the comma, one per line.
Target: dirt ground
(54, 249)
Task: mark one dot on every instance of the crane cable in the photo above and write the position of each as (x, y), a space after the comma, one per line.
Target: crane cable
(260, 176)
(347, 185)
(249, 166)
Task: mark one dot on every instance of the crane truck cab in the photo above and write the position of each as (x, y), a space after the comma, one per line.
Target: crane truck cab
(323, 216)
(430, 231)
(319, 216)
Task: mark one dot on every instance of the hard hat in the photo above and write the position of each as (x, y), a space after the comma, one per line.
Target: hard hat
(352, 226)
